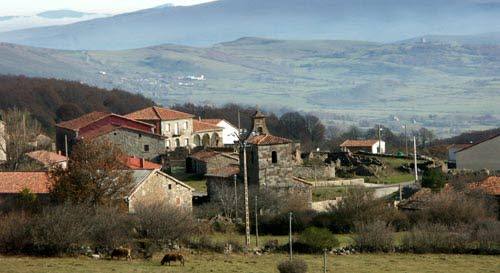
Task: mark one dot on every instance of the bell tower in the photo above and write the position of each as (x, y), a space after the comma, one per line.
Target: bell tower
(259, 126)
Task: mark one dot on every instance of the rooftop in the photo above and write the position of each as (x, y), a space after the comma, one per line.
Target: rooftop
(46, 157)
(158, 113)
(108, 128)
(136, 163)
(82, 121)
(267, 140)
(202, 126)
(359, 143)
(224, 172)
(15, 182)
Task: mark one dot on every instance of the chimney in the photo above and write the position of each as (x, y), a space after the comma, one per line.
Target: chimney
(142, 162)
(199, 118)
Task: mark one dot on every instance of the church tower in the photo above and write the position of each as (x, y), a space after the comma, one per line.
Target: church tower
(259, 126)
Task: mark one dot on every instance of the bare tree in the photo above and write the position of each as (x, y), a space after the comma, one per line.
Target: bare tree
(20, 132)
(94, 176)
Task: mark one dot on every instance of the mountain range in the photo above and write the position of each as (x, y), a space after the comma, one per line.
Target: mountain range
(443, 83)
(224, 20)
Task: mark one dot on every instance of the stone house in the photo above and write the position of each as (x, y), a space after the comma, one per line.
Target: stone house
(480, 155)
(203, 162)
(155, 186)
(221, 181)
(135, 137)
(48, 160)
(3, 145)
(370, 145)
(13, 183)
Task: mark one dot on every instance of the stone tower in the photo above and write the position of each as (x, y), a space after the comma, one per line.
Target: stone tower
(259, 126)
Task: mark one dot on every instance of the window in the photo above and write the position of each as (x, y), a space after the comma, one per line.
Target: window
(260, 130)
(177, 142)
(274, 156)
(169, 186)
(146, 148)
(187, 141)
(168, 143)
(168, 127)
(186, 125)
(176, 128)
(140, 135)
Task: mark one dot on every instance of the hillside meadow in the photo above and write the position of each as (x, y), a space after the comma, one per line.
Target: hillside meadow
(220, 263)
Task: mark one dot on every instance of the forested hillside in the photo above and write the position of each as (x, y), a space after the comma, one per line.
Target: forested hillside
(52, 100)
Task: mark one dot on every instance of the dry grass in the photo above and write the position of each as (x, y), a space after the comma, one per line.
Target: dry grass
(260, 264)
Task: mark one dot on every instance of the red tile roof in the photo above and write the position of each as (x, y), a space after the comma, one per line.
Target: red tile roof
(213, 121)
(82, 121)
(46, 157)
(201, 126)
(204, 155)
(158, 113)
(226, 171)
(136, 163)
(14, 182)
(358, 143)
(106, 129)
(267, 140)
(490, 185)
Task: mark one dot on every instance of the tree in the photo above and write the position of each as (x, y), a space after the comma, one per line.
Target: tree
(426, 136)
(315, 130)
(94, 175)
(20, 131)
(434, 179)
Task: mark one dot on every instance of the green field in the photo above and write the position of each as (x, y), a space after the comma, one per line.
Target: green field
(219, 263)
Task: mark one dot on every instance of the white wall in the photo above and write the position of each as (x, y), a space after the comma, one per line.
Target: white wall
(375, 147)
(485, 155)
(3, 156)
(183, 127)
(229, 133)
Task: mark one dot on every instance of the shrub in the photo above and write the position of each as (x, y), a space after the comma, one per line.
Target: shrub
(110, 228)
(487, 235)
(15, 235)
(318, 239)
(436, 238)
(434, 179)
(279, 224)
(373, 237)
(293, 266)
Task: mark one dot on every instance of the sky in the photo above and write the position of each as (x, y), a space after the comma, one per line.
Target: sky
(29, 7)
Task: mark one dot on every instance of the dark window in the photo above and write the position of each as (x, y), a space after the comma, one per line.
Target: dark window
(140, 135)
(114, 134)
(169, 186)
(274, 156)
(260, 130)
(146, 148)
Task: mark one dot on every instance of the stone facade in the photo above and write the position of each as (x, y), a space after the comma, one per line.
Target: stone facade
(157, 187)
(269, 165)
(207, 161)
(134, 143)
(316, 172)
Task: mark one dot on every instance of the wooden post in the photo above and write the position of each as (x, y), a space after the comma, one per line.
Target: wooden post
(66, 145)
(324, 260)
(235, 197)
(247, 213)
(290, 234)
(415, 158)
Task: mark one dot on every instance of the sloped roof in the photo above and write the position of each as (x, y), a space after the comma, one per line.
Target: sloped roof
(136, 163)
(267, 140)
(158, 113)
(490, 185)
(213, 121)
(204, 156)
(459, 146)
(224, 172)
(14, 182)
(201, 126)
(82, 121)
(477, 143)
(108, 128)
(359, 143)
(140, 176)
(46, 157)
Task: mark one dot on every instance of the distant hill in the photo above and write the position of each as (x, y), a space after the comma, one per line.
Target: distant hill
(448, 87)
(62, 13)
(51, 100)
(224, 20)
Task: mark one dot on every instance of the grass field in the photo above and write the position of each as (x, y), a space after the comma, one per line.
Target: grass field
(219, 263)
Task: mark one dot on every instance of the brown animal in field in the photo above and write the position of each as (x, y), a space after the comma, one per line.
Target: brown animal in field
(122, 252)
(172, 257)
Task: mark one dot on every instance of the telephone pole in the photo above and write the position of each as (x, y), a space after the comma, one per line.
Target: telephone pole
(406, 141)
(415, 158)
(245, 181)
(235, 197)
(379, 139)
(290, 234)
(256, 224)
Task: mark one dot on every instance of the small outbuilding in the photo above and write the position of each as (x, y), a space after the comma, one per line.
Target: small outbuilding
(369, 145)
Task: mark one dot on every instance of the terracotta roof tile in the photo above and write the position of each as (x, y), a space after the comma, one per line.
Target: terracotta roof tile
(158, 113)
(82, 121)
(108, 128)
(358, 143)
(490, 185)
(201, 126)
(204, 155)
(14, 182)
(46, 157)
(224, 172)
(213, 121)
(136, 163)
(267, 140)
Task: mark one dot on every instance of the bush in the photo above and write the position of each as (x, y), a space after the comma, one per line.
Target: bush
(436, 238)
(318, 239)
(293, 266)
(279, 224)
(15, 235)
(487, 236)
(374, 237)
(434, 179)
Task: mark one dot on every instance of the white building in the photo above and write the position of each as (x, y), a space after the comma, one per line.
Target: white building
(481, 155)
(370, 145)
(229, 132)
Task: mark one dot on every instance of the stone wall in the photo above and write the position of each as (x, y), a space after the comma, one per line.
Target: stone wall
(161, 189)
(321, 172)
(343, 182)
(133, 143)
(261, 169)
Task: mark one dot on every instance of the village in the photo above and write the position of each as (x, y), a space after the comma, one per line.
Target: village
(185, 177)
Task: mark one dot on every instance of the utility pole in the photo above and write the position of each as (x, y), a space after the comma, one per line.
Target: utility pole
(406, 141)
(256, 224)
(324, 260)
(379, 138)
(245, 180)
(66, 145)
(400, 193)
(290, 234)
(415, 158)
(235, 197)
